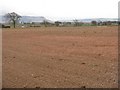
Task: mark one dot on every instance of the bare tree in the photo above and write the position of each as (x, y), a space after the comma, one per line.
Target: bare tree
(76, 22)
(13, 17)
(45, 22)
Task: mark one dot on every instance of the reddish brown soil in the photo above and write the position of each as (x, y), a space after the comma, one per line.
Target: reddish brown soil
(63, 57)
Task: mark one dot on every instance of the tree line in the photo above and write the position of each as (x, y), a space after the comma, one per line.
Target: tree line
(14, 18)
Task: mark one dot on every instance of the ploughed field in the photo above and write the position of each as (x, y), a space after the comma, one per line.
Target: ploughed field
(60, 57)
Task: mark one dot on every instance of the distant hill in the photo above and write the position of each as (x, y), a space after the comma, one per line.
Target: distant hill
(92, 19)
(99, 19)
(30, 19)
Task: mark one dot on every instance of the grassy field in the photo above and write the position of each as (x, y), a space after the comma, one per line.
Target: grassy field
(60, 57)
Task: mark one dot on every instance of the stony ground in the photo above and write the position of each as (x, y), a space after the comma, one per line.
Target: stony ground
(60, 57)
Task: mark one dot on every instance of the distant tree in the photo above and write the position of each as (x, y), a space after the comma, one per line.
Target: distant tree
(109, 23)
(94, 23)
(57, 23)
(45, 22)
(13, 17)
(76, 22)
(100, 23)
(118, 23)
(67, 23)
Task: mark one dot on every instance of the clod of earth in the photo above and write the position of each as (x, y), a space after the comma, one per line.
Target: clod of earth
(61, 59)
(25, 86)
(95, 65)
(37, 87)
(48, 66)
(83, 63)
(94, 32)
(83, 86)
(34, 76)
(13, 57)
(52, 58)
(99, 54)
(73, 44)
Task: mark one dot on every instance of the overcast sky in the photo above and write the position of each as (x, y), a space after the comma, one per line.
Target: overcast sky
(62, 9)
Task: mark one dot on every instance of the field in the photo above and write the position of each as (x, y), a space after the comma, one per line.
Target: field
(60, 57)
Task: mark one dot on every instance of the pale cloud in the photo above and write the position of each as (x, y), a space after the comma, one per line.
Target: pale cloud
(63, 8)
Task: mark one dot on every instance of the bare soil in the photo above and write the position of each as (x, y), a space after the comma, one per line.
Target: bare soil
(60, 57)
